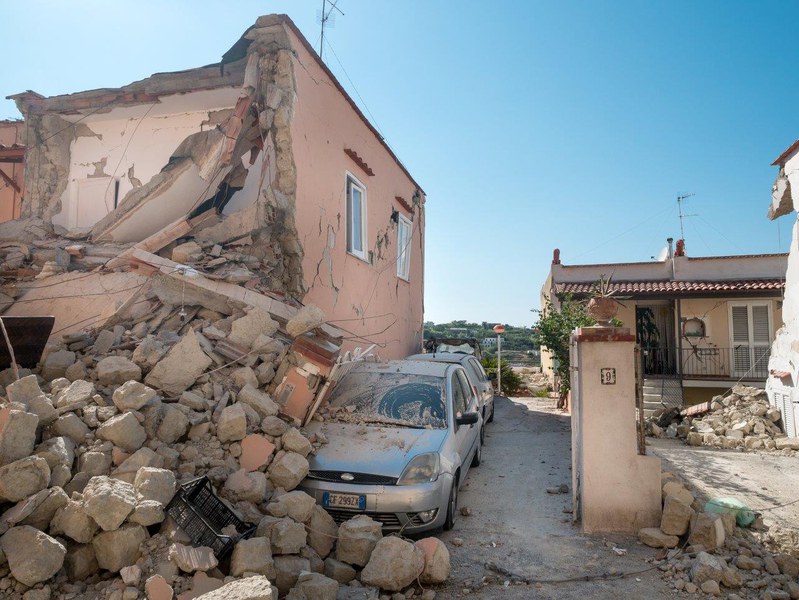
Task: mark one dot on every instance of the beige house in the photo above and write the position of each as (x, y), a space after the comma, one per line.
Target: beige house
(702, 323)
(262, 156)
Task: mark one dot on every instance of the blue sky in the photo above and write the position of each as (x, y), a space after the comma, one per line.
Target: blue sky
(530, 125)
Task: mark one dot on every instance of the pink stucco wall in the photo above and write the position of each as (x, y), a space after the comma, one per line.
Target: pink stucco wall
(368, 300)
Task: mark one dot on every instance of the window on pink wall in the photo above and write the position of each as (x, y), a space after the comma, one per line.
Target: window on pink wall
(404, 235)
(356, 217)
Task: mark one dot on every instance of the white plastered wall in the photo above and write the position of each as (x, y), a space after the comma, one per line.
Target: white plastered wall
(131, 145)
(785, 349)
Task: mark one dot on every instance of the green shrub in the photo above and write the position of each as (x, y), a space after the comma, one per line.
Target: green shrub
(511, 382)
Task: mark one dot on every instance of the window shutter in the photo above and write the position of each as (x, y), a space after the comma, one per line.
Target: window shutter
(761, 334)
(740, 324)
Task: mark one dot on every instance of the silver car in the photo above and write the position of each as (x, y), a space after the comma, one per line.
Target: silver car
(476, 374)
(402, 436)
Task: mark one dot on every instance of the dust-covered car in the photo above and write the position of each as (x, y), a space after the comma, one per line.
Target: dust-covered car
(402, 436)
(474, 371)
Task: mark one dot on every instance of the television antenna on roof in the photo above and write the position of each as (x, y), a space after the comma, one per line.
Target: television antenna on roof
(325, 16)
(680, 200)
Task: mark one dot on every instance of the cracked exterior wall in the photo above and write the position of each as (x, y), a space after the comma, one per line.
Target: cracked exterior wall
(268, 208)
(365, 298)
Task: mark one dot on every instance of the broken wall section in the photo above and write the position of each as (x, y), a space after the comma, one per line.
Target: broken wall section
(48, 140)
(366, 297)
(784, 357)
(270, 212)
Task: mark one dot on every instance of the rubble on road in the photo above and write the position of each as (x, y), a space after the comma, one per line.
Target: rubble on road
(743, 420)
(96, 441)
(708, 552)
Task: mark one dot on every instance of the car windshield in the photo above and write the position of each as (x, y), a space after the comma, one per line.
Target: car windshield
(391, 399)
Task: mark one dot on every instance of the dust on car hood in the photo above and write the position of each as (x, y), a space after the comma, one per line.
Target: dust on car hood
(374, 449)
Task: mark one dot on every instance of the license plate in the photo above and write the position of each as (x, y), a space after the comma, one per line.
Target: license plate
(351, 501)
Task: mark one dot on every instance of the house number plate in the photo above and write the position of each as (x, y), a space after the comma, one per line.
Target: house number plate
(607, 376)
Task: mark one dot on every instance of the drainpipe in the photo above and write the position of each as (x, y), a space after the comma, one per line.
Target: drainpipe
(671, 255)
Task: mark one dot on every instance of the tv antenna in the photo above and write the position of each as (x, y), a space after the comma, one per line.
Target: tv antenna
(680, 200)
(325, 16)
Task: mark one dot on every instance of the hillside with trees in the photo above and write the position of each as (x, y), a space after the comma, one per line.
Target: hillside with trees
(519, 342)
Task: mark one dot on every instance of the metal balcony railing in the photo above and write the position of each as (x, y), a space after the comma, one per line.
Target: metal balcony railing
(740, 362)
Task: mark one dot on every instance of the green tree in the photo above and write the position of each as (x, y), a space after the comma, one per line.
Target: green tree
(554, 328)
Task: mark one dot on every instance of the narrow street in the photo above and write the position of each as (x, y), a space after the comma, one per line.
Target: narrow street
(516, 524)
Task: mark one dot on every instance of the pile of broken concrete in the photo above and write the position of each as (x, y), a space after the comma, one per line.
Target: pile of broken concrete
(742, 420)
(97, 441)
(708, 552)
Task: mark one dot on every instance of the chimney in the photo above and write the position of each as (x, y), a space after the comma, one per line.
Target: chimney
(680, 251)
(556, 256)
(670, 241)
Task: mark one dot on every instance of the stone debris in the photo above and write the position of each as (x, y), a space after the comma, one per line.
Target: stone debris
(95, 444)
(249, 588)
(436, 560)
(394, 564)
(192, 376)
(33, 556)
(744, 420)
(357, 538)
(714, 556)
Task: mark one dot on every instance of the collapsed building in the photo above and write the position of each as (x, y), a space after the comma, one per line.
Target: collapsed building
(213, 249)
(261, 168)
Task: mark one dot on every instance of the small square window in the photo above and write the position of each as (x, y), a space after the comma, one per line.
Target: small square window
(356, 217)
(404, 235)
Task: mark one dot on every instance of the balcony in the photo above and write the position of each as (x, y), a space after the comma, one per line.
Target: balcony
(748, 363)
(740, 362)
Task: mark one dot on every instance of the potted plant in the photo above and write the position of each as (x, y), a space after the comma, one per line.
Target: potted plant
(602, 306)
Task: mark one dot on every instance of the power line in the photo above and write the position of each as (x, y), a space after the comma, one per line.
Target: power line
(355, 89)
(626, 231)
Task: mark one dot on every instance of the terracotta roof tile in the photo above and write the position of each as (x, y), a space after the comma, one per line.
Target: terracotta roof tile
(644, 288)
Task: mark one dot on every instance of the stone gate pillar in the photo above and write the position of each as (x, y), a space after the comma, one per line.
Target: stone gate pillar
(615, 489)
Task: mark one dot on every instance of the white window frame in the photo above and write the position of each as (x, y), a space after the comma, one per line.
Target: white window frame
(404, 248)
(351, 181)
(751, 342)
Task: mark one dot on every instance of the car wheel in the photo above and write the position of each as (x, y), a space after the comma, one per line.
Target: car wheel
(491, 418)
(483, 431)
(452, 506)
(478, 454)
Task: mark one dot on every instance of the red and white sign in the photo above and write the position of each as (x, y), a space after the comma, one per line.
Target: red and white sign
(499, 329)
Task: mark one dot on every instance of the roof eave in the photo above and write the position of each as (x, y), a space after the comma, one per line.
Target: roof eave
(783, 158)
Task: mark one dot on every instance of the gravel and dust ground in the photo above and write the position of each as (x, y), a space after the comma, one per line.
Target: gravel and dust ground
(765, 481)
(516, 524)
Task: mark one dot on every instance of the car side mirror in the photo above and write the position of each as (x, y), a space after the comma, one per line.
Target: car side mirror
(492, 376)
(467, 419)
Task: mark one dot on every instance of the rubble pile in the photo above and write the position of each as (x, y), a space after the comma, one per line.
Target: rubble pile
(742, 420)
(533, 380)
(709, 552)
(96, 441)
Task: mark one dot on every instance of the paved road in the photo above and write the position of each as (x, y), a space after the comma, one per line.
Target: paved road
(516, 524)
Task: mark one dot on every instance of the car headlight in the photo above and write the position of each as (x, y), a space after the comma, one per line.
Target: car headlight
(421, 469)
